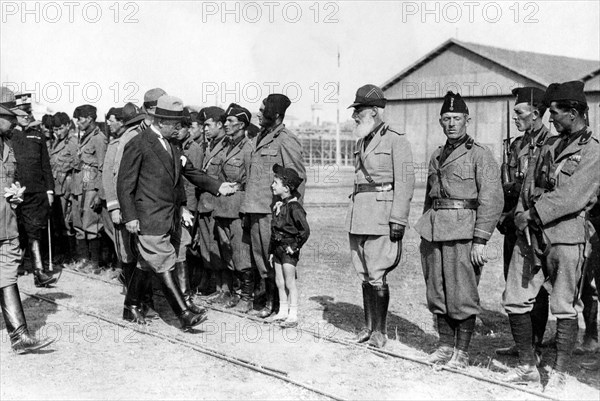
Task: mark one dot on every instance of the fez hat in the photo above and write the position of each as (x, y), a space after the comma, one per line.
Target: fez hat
(214, 112)
(151, 97)
(86, 110)
(277, 103)
(132, 115)
(454, 103)
(169, 108)
(60, 119)
(289, 176)
(529, 94)
(369, 95)
(572, 90)
(241, 113)
(115, 111)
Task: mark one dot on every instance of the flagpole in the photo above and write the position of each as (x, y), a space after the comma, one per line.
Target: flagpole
(338, 150)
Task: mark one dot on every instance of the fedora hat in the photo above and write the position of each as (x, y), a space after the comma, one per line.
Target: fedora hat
(169, 107)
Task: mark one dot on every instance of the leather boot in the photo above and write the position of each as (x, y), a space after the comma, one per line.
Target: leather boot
(148, 298)
(83, 253)
(95, 249)
(539, 317)
(446, 327)
(132, 309)
(270, 290)
(181, 271)
(381, 301)
(14, 317)
(71, 253)
(126, 272)
(174, 296)
(526, 372)
(368, 308)
(464, 332)
(40, 278)
(246, 303)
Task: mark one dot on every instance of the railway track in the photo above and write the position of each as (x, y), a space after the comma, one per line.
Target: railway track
(276, 373)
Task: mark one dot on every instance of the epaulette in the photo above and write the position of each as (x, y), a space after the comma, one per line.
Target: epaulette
(388, 129)
(585, 138)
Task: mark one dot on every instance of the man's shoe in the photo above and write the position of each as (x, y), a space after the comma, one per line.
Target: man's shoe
(588, 346)
(41, 279)
(523, 374)
(244, 306)
(362, 336)
(25, 343)
(460, 360)
(189, 319)
(508, 351)
(556, 383)
(192, 306)
(263, 313)
(591, 365)
(235, 299)
(134, 314)
(442, 355)
(378, 339)
(214, 297)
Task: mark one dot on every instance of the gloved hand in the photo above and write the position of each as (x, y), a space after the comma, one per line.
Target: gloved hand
(396, 232)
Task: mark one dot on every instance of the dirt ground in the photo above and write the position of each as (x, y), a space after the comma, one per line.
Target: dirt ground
(93, 359)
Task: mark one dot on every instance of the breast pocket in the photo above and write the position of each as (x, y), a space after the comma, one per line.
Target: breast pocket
(383, 159)
(569, 167)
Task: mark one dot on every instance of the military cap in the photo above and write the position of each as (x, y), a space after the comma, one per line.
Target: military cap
(132, 115)
(187, 118)
(7, 97)
(6, 112)
(169, 108)
(289, 176)
(214, 112)
(60, 119)
(117, 112)
(277, 103)
(23, 99)
(572, 90)
(151, 97)
(18, 112)
(529, 94)
(369, 95)
(454, 103)
(241, 113)
(86, 110)
(252, 130)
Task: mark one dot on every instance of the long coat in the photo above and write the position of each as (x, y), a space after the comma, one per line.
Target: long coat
(576, 174)
(92, 149)
(63, 160)
(233, 169)
(279, 146)
(210, 165)
(149, 184)
(8, 215)
(470, 172)
(387, 158)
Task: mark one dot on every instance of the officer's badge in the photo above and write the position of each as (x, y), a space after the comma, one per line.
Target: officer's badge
(452, 104)
(575, 158)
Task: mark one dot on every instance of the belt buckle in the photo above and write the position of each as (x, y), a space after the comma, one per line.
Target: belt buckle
(384, 188)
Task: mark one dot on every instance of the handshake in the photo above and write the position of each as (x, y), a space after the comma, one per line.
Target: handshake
(229, 188)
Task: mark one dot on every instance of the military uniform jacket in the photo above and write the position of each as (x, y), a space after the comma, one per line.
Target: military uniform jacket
(63, 160)
(91, 152)
(8, 215)
(33, 161)
(150, 186)
(387, 159)
(469, 172)
(194, 153)
(211, 166)
(564, 187)
(278, 146)
(233, 169)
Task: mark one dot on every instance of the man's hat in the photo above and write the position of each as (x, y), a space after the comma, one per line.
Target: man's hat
(369, 95)
(132, 115)
(241, 113)
(151, 97)
(169, 107)
(572, 90)
(277, 103)
(214, 112)
(6, 112)
(86, 110)
(23, 99)
(60, 119)
(117, 112)
(252, 130)
(289, 176)
(529, 94)
(7, 97)
(18, 112)
(454, 103)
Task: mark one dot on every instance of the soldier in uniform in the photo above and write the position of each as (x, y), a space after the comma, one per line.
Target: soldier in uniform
(551, 215)
(528, 112)
(205, 240)
(87, 185)
(234, 243)
(463, 203)
(10, 252)
(273, 145)
(35, 174)
(380, 203)
(64, 161)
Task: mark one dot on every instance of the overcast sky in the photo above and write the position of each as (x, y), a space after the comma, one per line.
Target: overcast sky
(107, 53)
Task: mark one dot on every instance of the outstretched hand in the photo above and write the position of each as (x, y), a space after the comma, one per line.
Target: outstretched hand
(228, 188)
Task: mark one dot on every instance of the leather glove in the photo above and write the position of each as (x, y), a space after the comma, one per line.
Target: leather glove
(245, 221)
(396, 232)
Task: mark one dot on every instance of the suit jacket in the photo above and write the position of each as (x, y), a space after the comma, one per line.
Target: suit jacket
(210, 165)
(576, 173)
(233, 169)
(278, 146)
(149, 184)
(387, 158)
(470, 172)
(8, 215)
(33, 161)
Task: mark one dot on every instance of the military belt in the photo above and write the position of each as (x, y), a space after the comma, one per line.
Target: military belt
(374, 187)
(447, 203)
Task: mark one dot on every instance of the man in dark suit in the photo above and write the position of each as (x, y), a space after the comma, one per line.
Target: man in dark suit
(151, 194)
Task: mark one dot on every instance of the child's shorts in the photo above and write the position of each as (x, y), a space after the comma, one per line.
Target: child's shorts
(280, 256)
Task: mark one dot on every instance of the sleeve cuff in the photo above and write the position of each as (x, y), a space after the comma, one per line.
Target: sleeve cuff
(479, 240)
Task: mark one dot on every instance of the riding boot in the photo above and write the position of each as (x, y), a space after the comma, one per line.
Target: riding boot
(182, 274)
(246, 303)
(132, 309)
(270, 290)
(539, 318)
(381, 301)
(71, 254)
(464, 332)
(95, 250)
(16, 325)
(126, 272)
(40, 278)
(526, 372)
(446, 327)
(368, 307)
(174, 296)
(148, 298)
